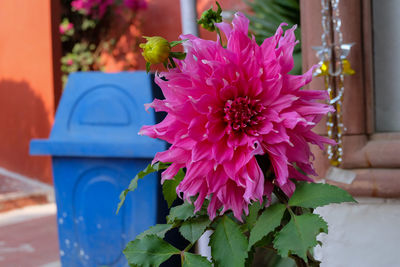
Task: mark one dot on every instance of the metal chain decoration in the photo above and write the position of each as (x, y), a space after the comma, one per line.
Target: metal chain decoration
(333, 67)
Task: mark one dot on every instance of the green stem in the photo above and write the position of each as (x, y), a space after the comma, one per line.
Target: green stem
(284, 199)
(291, 212)
(188, 247)
(280, 195)
(220, 36)
(299, 261)
(182, 258)
(185, 250)
(311, 261)
(172, 62)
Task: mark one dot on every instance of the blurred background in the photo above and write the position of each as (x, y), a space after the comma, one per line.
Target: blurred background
(42, 42)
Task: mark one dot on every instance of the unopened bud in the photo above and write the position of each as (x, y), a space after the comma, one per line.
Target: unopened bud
(155, 50)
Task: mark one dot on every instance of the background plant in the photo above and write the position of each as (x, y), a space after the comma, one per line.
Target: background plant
(267, 15)
(92, 27)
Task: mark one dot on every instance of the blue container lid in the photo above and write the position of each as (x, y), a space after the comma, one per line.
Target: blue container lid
(100, 115)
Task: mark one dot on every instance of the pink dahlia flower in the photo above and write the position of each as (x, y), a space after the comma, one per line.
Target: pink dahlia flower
(226, 105)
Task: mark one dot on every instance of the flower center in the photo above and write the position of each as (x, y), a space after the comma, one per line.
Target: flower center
(242, 113)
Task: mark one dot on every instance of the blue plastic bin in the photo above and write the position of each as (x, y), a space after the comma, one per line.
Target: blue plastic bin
(96, 151)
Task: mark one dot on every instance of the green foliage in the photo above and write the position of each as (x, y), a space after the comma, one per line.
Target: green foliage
(313, 195)
(228, 244)
(79, 27)
(159, 230)
(286, 229)
(149, 251)
(175, 43)
(169, 187)
(178, 55)
(194, 228)
(299, 235)
(133, 185)
(254, 210)
(181, 212)
(88, 24)
(192, 260)
(266, 223)
(148, 67)
(268, 15)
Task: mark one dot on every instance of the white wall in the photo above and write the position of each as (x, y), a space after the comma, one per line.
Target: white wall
(386, 33)
(361, 235)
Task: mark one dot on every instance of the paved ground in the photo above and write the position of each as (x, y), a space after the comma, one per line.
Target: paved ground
(28, 237)
(17, 191)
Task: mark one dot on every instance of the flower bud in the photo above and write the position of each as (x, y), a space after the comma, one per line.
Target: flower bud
(209, 17)
(155, 50)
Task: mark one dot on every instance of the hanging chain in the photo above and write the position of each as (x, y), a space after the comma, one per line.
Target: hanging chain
(334, 66)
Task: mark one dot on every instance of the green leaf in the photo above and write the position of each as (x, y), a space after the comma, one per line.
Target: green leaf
(181, 212)
(175, 43)
(299, 235)
(228, 244)
(149, 251)
(88, 24)
(148, 67)
(169, 187)
(193, 260)
(193, 229)
(266, 16)
(251, 219)
(133, 184)
(266, 223)
(178, 55)
(312, 195)
(159, 230)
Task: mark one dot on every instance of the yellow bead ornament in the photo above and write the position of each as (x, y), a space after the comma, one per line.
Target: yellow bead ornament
(323, 70)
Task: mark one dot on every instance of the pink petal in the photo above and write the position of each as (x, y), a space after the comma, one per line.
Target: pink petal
(197, 128)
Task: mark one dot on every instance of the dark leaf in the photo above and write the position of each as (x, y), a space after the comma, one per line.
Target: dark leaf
(133, 185)
(175, 43)
(194, 228)
(169, 187)
(181, 212)
(159, 230)
(300, 235)
(148, 67)
(178, 55)
(149, 251)
(266, 223)
(228, 244)
(193, 260)
(313, 195)
(251, 219)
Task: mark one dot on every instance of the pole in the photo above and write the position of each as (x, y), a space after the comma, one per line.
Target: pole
(189, 17)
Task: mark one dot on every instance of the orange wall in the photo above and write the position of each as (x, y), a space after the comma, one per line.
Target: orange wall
(26, 84)
(28, 89)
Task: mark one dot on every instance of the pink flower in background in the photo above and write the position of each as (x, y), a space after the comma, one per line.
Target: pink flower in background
(95, 8)
(63, 28)
(82, 5)
(70, 62)
(136, 4)
(226, 105)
